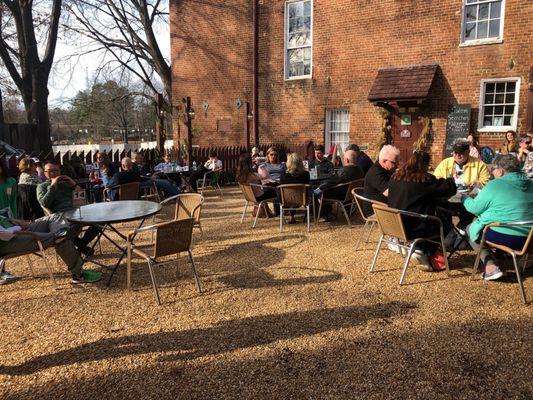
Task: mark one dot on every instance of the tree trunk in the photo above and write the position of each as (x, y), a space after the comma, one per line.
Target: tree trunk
(1, 108)
(40, 115)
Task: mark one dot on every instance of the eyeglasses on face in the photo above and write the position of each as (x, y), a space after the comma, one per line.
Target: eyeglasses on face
(52, 170)
(392, 162)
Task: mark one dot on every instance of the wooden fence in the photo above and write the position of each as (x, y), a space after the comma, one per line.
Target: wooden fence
(228, 154)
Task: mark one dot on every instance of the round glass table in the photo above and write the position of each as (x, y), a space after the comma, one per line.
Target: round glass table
(107, 214)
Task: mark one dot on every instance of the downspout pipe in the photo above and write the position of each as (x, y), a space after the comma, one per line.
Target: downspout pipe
(255, 72)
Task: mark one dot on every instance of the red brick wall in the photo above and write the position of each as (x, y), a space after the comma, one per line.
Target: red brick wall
(211, 57)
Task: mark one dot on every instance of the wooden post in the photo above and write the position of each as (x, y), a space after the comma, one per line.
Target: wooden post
(247, 125)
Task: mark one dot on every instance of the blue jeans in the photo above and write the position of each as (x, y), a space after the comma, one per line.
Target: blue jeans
(162, 184)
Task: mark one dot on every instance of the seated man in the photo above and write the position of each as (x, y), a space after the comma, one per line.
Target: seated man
(165, 166)
(140, 166)
(212, 164)
(56, 196)
(363, 161)
(129, 175)
(378, 176)
(348, 173)
(507, 198)
(51, 230)
(466, 171)
(322, 164)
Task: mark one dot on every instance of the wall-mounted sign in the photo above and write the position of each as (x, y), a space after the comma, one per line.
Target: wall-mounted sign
(406, 133)
(405, 119)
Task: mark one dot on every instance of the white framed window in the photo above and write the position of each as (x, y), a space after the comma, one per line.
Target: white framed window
(482, 22)
(338, 129)
(498, 104)
(298, 39)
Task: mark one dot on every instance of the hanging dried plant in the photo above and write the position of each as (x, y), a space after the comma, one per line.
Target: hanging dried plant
(423, 139)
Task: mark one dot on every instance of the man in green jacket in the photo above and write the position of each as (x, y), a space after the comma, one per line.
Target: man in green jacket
(508, 198)
(56, 196)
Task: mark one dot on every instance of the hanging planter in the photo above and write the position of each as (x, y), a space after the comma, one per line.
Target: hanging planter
(423, 140)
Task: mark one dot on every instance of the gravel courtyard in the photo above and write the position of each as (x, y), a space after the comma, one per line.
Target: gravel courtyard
(290, 315)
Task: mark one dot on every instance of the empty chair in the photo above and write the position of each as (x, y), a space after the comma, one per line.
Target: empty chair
(171, 238)
(294, 197)
(515, 254)
(370, 219)
(341, 195)
(210, 180)
(392, 227)
(182, 206)
(150, 193)
(250, 198)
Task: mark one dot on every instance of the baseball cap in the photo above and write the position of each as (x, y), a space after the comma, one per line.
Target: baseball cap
(461, 146)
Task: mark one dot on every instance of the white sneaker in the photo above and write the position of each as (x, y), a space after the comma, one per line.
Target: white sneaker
(422, 260)
(394, 247)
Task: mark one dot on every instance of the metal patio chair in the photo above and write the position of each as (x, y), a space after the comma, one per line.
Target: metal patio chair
(171, 238)
(182, 206)
(210, 181)
(126, 191)
(294, 197)
(523, 253)
(370, 219)
(348, 201)
(391, 224)
(249, 197)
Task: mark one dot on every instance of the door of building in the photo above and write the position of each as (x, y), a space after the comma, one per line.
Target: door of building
(406, 128)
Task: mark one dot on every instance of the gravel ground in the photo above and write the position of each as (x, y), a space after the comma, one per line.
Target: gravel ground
(283, 315)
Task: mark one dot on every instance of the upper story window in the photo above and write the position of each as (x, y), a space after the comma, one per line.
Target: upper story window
(298, 39)
(482, 21)
(498, 109)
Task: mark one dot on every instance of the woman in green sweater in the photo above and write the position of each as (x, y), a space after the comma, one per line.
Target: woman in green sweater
(507, 198)
(8, 193)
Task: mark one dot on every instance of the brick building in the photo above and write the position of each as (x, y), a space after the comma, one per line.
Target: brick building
(350, 71)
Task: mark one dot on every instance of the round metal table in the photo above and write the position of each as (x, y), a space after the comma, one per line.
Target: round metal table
(105, 215)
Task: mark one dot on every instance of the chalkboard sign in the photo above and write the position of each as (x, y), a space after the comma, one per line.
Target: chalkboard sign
(457, 126)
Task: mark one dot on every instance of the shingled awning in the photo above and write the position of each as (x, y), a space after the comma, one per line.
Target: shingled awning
(403, 83)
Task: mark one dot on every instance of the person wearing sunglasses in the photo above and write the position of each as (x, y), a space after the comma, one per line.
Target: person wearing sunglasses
(524, 148)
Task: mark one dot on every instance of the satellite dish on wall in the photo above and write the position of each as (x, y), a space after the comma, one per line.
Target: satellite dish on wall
(238, 103)
(205, 106)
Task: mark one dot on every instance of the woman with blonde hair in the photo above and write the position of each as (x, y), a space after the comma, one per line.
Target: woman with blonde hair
(272, 169)
(295, 173)
(28, 172)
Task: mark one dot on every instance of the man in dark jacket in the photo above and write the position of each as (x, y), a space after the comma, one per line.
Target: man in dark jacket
(129, 174)
(348, 173)
(378, 176)
(363, 161)
(321, 163)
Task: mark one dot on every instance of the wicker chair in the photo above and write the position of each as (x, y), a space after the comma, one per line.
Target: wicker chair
(149, 193)
(348, 201)
(171, 238)
(293, 197)
(524, 252)
(126, 191)
(249, 197)
(370, 219)
(210, 181)
(391, 224)
(182, 206)
(39, 253)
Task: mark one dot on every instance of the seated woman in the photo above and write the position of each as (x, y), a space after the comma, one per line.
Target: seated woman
(295, 173)
(100, 176)
(272, 167)
(413, 188)
(28, 172)
(507, 198)
(246, 174)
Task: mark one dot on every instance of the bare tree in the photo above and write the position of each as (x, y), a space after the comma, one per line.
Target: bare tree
(125, 30)
(22, 34)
